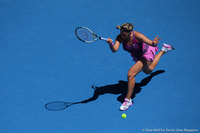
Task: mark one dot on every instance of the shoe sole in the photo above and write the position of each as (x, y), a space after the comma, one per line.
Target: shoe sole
(170, 46)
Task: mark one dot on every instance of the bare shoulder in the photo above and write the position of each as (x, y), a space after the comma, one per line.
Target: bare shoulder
(137, 33)
(138, 36)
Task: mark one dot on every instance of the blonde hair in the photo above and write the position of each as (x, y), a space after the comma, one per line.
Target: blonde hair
(126, 27)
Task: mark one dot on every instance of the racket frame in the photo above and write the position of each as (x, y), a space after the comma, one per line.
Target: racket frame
(96, 37)
(67, 104)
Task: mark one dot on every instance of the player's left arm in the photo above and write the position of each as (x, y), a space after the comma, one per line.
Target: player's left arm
(142, 38)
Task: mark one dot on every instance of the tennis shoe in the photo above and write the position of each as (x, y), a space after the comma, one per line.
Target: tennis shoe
(126, 104)
(166, 48)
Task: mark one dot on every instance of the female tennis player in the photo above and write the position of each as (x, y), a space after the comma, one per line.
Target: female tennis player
(143, 52)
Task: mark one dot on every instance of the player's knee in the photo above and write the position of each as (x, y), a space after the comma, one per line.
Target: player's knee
(131, 75)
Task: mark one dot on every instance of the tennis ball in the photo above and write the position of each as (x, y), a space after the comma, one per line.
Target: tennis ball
(124, 116)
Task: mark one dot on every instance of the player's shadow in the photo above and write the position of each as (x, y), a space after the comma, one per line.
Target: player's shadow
(120, 88)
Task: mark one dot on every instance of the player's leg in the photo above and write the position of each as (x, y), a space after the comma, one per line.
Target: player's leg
(133, 71)
(151, 67)
(166, 48)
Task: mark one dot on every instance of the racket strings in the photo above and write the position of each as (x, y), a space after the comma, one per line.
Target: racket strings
(56, 106)
(85, 34)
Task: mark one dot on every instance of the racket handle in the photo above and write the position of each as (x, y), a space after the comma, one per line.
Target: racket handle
(105, 39)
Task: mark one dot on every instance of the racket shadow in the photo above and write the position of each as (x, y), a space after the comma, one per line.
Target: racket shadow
(59, 105)
(116, 89)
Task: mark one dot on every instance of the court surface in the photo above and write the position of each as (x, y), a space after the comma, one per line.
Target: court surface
(41, 61)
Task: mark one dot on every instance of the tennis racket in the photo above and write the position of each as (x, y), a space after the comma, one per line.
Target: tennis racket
(57, 105)
(86, 35)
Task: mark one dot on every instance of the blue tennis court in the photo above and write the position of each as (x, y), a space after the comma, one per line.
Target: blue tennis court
(42, 61)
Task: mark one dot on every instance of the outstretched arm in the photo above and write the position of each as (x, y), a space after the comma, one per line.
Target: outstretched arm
(142, 38)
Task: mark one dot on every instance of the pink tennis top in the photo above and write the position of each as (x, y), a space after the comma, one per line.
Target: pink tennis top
(140, 50)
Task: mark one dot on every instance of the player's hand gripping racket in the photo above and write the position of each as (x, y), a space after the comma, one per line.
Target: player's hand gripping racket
(86, 35)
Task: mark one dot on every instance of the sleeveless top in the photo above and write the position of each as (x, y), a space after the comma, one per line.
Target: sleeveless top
(136, 49)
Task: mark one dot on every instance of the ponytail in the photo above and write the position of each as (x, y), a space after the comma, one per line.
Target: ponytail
(118, 27)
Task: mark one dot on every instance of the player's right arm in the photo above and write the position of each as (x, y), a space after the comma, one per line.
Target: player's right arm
(115, 47)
